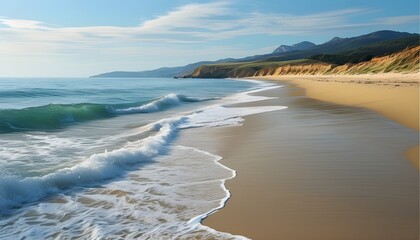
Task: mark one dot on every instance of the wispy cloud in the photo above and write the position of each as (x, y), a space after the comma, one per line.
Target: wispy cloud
(392, 21)
(204, 17)
(21, 23)
(191, 23)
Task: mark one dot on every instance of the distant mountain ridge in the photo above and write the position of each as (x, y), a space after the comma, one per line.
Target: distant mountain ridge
(298, 46)
(160, 72)
(297, 51)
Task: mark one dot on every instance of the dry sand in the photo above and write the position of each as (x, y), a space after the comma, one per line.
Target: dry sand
(396, 96)
(317, 171)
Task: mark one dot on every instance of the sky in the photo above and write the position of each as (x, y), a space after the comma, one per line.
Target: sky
(79, 38)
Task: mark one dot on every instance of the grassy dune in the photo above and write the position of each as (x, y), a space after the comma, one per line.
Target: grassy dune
(406, 61)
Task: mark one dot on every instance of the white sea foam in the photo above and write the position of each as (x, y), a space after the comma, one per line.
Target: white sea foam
(98, 167)
(224, 116)
(171, 99)
(164, 200)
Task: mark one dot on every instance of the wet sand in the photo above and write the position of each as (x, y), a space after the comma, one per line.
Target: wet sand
(316, 171)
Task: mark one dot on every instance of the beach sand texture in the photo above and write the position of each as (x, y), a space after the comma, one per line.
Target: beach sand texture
(317, 171)
(393, 95)
(396, 96)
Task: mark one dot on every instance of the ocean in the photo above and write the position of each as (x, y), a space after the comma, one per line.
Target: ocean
(88, 158)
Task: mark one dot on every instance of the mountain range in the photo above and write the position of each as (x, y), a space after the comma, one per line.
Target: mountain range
(337, 51)
(298, 46)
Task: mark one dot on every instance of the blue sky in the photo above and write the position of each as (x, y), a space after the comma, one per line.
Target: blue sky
(80, 38)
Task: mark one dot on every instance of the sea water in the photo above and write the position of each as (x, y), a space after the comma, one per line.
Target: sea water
(95, 159)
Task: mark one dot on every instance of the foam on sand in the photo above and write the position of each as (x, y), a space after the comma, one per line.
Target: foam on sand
(149, 188)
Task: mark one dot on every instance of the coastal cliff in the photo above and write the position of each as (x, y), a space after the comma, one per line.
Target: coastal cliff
(406, 61)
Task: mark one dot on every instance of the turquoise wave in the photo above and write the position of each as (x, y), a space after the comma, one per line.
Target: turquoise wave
(57, 116)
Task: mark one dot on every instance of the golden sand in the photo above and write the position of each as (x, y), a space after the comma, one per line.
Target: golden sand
(393, 95)
(319, 171)
(396, 96)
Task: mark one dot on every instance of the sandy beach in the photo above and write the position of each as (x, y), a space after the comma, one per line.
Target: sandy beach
(318, 170)
(393, 95)
(396, 96)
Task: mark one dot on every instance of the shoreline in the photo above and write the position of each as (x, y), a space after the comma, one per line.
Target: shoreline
(266, 204)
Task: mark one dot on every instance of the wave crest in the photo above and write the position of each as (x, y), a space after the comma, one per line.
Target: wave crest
(56, 116)
(161, 103)
(98, 167)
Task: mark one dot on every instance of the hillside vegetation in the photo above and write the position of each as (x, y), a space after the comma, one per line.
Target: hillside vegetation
(368, 52)
(405, 61)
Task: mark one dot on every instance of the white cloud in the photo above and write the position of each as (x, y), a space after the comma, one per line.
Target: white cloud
(186, 24)
(21, 23)
(197, 16)
(400, 20)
